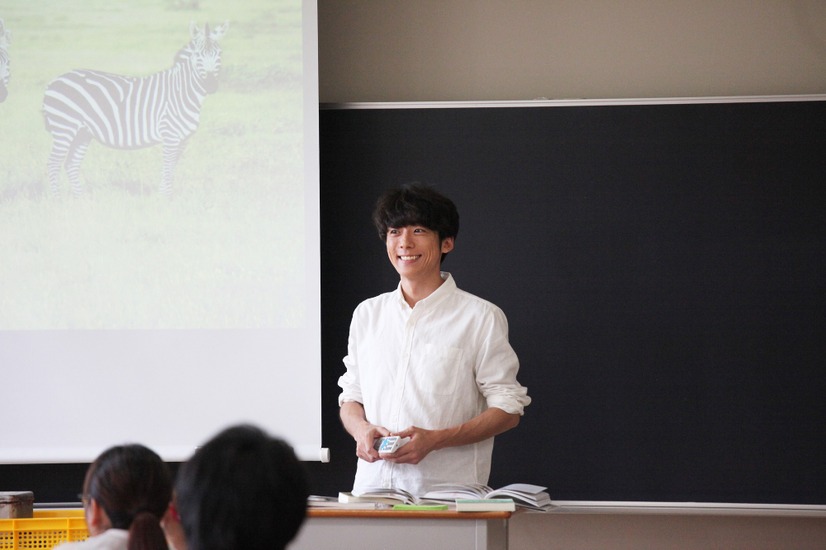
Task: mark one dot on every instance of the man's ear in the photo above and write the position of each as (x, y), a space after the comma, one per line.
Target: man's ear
(447, 244)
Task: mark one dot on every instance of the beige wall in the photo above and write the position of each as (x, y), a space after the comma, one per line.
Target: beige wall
(481, 50)
(665, 531)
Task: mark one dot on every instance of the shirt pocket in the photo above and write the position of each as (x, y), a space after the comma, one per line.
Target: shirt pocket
(438, 370)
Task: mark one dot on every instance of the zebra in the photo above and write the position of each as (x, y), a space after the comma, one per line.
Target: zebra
(131, 112)
(5, 40)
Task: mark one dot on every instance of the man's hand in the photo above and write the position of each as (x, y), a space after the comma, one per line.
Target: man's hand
(363, 432)
(421, 443)
(365, 440)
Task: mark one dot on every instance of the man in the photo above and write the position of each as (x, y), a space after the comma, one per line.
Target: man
(428, 361)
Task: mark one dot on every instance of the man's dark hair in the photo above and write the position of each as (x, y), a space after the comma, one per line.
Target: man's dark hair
(416, 204)
(242, 489)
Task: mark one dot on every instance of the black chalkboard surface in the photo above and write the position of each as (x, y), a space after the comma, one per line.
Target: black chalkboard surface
(663, 269)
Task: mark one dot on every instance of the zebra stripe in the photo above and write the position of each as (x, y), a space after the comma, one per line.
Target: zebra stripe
(5, 40)
(131, 112)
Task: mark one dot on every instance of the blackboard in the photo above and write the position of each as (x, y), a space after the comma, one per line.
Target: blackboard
(662, 267)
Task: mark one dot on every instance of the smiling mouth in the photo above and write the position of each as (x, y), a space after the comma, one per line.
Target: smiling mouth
(409, 258)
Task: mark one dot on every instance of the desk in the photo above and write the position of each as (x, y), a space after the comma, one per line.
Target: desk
(402, 530)
(685, 526)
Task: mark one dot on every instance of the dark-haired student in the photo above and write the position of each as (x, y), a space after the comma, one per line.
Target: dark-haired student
(126, 493)
(242, 490)
(426, 361)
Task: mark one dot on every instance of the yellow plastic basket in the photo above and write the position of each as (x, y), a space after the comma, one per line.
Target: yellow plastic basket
(45, 530)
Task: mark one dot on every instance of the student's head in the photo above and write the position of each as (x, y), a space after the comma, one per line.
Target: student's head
(243, 489)
(416, 204)
(128, 487)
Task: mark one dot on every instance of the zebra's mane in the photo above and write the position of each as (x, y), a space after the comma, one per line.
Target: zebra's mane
(183, 53)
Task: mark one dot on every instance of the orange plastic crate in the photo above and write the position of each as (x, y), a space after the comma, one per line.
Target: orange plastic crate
(45, 530)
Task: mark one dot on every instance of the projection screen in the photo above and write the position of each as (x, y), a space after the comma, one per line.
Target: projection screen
(159, 278)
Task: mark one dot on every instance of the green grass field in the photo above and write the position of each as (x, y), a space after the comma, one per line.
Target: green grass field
(226, 250)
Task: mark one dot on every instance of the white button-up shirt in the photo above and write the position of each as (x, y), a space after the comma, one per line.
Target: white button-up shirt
(433, 366)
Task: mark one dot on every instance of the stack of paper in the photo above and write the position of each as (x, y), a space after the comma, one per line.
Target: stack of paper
(485, 505)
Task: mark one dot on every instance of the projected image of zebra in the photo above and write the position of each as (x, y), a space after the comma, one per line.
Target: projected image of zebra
(131, 112)
(5, 40)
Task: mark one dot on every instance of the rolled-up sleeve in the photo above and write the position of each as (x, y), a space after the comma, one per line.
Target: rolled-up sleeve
(498, 365)
(349, 381)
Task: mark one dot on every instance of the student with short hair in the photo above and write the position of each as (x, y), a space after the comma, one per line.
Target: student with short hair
(242, 490)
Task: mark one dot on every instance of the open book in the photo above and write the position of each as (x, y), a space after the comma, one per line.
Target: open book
(523, 494)
(380, 495)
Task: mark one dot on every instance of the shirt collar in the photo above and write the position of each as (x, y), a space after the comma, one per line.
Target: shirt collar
(447, 287)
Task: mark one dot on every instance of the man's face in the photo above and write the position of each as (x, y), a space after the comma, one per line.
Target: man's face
(416, 251)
